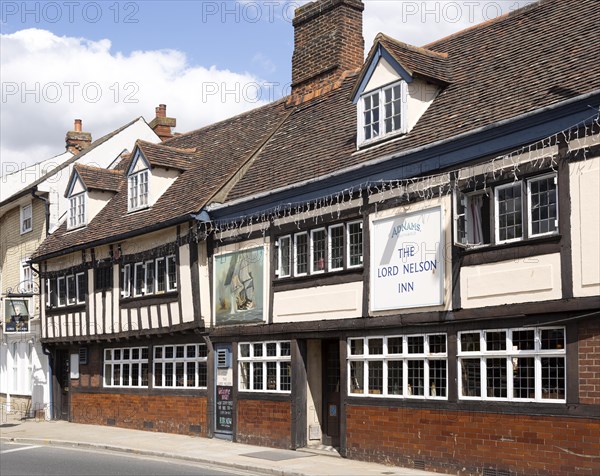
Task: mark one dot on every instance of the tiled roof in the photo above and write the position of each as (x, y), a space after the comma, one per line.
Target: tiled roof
(531, 58)
(220, 150)
(418, 61)
(534, 57)
(99, 178)
(165, 156)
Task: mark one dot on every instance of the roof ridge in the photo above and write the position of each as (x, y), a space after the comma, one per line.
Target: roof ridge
(185, 150)
(215, 124)
(418, 49)
(486, 23)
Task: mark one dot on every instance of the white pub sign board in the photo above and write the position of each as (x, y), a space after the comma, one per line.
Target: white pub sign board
(407, 261)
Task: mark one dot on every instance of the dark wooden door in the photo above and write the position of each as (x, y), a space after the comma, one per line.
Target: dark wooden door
(61, 385)
(331, 392)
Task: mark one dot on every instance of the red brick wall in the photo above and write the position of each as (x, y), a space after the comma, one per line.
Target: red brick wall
(327, 36)
(589, 362)
(264, 423)
(166, 413)
(468, 442)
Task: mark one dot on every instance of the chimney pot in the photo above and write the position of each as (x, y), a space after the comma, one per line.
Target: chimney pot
(76, 140)
(161, 110)
(162, 124)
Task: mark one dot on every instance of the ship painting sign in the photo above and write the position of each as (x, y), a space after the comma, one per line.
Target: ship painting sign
(407, 265)
(239, 286)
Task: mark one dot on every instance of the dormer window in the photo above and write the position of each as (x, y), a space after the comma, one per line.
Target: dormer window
(382, 112)
(77, 210)
(138, 190)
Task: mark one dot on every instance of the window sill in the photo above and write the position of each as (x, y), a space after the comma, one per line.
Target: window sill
(168, 296)
(131, 211)
(54, 310)
(381, 139)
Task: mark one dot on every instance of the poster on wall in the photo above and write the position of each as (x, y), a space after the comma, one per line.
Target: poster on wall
(407, 261)
(239, 287)
(16, 315)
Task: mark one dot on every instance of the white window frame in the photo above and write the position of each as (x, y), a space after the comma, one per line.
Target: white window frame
(511, 355)
(136, 267)
(149, 286)
(403, 113)
(58, 293)
(280, 256)
(126, 281)
(329, 247)
(108, 380)
(497, 213)
(171, 260)
(26, 277)
(349, 244)
(80, 293)
(312, 251)
(156, 274)
(138, 187)
(69, 297)
(26, 218)
(260, 361)
(198, 360)
(77, 211)
(426, 357)
(529, 208)
(296, 272)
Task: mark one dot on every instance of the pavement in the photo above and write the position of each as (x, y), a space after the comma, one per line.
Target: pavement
(214, 451)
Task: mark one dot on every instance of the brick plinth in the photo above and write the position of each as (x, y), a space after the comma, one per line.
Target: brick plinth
(165, 413)
(264, 423)
(467, 442)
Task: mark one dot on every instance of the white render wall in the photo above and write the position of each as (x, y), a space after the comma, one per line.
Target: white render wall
(585, 226)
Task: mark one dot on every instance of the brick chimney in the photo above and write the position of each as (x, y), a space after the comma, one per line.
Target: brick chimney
(328, 42)
(162, 124)
(76, 140)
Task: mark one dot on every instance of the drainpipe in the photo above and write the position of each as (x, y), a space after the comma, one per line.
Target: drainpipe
(47, 205)
(48, 354)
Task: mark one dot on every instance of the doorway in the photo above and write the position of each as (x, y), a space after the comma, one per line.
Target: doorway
(331, 392)
(61, 385)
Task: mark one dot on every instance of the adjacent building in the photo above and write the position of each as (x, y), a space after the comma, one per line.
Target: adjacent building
(399, 260)
(32, 206)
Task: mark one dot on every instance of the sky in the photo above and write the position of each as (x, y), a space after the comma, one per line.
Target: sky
(109, 62)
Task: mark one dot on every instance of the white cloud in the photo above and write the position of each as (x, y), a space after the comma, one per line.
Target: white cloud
(47, 81)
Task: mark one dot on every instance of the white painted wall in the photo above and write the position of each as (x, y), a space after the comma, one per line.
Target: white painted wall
(338, 301)
(585, 226)
(510, 282)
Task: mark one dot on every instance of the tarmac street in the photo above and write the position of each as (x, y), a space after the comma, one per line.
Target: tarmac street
(30, 437)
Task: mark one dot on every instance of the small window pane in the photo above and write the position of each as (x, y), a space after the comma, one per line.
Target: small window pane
(496, 378)
(553, 339)
(394, 345)
(395, 369)
(357, 377)
(416, 377)
(375, 346)
(356, 347)
(416, 344)
(469, 342)
(471, 377)
(375, 377)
